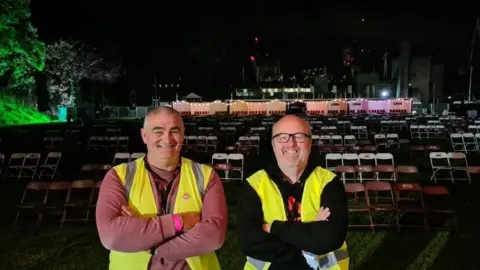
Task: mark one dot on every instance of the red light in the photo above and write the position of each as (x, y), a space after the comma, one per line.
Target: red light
(252, 58)
(256, 39)
(363, 19)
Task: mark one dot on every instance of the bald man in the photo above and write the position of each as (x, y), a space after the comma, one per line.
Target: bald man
(162, 211)
(293, 214)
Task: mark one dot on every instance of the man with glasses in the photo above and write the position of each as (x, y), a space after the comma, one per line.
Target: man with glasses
(293, 214)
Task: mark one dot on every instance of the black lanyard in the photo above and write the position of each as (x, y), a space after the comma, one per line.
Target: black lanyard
(163, 192)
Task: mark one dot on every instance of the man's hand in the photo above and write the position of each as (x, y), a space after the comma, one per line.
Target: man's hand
(323, 214)
(189, 219)
(266, 227)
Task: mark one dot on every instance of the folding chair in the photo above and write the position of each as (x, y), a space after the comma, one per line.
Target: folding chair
(332, 160)
(50, 166)
(15, 165)
(349, 140)
(439, 163)
(435, 203)
(380, 140)
(351, 159)
(123, 143)
(469, 142)
(344, 171)
(355, 205)
(382, 204)
(457, 142)
(237, 162)
(33, 200)
(409, 199)
(79, 198)
(393, 140)
(120, 158)
(212, 142)
(30, 165)
(221, 165)
(458, 163)
(56, 198)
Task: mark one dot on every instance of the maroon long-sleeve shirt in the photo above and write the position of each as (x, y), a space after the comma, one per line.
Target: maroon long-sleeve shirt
(134, 234)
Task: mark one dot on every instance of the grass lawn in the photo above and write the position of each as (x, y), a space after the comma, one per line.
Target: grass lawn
(77, 246)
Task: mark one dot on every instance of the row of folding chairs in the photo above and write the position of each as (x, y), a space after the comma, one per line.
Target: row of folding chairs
(427, 131)
(332, 160)
(28, 165)
(392, 125)
(200, 143)
(124, 157)
(398, 199)
(362, 173)
(60, 198)
(465, 142)
(474, 128)
(105, 142)
(227, 165)
(450, 166)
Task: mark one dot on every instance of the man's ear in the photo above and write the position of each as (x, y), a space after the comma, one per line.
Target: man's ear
(143, 134)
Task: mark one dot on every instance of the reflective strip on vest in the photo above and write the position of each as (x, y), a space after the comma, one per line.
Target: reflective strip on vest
(323, 263)
(197, 172)
(332, 258)
(258, 264)
(132, 168)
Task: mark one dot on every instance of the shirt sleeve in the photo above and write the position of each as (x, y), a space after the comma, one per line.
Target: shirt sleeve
(319, 237)
(206, 236)
(122, 233)
(256, 243)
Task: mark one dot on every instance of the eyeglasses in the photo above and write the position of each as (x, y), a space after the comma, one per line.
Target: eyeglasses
(297, 137)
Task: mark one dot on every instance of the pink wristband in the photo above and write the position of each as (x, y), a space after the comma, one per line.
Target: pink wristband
(177, 222)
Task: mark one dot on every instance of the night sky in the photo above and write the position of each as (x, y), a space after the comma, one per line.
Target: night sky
(158, 39)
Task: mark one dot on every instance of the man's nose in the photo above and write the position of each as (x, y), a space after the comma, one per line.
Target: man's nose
(291, 141)
(168, 138)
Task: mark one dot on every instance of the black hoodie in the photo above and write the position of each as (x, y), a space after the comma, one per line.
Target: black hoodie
(284, 244)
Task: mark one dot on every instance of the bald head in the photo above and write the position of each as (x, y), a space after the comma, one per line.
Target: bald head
(291, 124)
(165, 110)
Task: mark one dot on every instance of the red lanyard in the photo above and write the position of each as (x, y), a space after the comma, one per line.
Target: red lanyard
(164, 192)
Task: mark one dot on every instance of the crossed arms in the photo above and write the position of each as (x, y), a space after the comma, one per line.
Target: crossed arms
(125, 233)
(286, 240)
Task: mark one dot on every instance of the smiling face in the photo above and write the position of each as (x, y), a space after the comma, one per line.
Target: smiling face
(163, 134)
(291, 141)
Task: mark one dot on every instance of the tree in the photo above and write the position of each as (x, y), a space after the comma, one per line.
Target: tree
(21, 53)
(69, 62)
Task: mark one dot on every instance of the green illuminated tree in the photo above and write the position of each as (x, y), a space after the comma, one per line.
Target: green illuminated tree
(21, 52)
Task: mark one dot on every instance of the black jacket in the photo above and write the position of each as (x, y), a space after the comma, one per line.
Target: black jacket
(284, 244)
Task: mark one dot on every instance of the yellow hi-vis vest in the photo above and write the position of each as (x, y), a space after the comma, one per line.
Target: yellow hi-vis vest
(274, 209)
(194, 178)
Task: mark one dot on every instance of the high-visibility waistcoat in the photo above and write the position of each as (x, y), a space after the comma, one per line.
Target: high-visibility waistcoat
(274, 209)
(194, 178)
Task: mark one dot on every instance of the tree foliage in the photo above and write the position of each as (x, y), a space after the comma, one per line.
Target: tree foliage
(21, 53)
(69, 62)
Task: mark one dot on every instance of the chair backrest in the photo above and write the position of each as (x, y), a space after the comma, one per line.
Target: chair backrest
(435, 190)
(354, 187)
(378, 186)
(137, 155)
(406, 169)
(408, 187)
(344, 169)
(219, 156)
